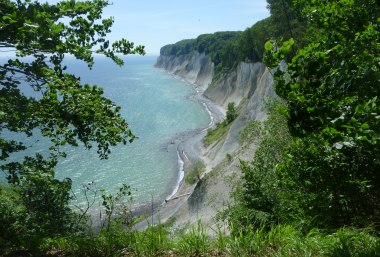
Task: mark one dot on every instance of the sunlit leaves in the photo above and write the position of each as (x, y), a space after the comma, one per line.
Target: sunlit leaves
(56, 105)
(332, 90)
(276, 52)
(62, 108)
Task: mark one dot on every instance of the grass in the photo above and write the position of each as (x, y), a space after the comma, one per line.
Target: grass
(215, 134)
(193, 243)
(280, 240)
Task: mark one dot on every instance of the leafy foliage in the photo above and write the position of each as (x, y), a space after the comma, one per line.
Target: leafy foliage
(11, 211)
(251, 43)
(37, 31)
(327, 175)
(250, 132)
(330, 174)
(185, 46)
(34, 210)
(60, 108)
(220, 46)
(258, 199)
(286, 19)
(226, 49)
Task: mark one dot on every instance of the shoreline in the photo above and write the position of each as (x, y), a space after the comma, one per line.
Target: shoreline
(192, 144)
(189, 150)
(184, 138)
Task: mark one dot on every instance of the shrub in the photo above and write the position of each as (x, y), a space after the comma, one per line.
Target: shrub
(258, 199)
(250, 132)
(194, 174)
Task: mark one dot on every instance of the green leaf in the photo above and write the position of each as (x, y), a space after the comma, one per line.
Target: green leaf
(365, 126)
(269, 46)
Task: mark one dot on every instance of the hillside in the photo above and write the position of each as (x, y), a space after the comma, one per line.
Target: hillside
(317, 163)
(249, 86)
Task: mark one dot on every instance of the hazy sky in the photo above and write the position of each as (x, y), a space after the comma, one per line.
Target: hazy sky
(155, 23)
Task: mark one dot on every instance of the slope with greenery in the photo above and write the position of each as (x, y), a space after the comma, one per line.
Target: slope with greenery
(215, 134)
(326, 175)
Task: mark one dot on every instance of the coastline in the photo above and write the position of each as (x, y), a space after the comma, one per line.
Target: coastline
(190, 149)
(203, 200)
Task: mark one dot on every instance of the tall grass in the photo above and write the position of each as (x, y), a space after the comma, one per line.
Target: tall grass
(193, 243)
(280, 240)
(154, 241)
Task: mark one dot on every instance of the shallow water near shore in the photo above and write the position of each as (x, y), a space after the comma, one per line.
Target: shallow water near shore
(157, 106)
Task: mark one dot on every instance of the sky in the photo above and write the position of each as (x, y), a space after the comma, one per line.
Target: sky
(155, 23)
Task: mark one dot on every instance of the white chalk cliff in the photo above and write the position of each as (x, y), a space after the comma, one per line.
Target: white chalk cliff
(249, 86)
(249, 81)
(195, 68)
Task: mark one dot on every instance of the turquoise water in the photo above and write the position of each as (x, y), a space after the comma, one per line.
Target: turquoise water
(157, 107)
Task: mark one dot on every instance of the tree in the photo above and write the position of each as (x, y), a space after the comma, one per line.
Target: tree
(231, 113)
(252, 41)
(283, 15)
(331, 88)
(287, 22)
(63, 109)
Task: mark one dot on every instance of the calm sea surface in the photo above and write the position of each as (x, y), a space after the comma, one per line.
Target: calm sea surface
(157, 107)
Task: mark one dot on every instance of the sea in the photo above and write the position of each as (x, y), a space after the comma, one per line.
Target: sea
(158, 107)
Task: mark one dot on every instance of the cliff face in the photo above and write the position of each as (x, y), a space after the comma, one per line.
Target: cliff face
(196, 68)
(249, 87)
(251, 82)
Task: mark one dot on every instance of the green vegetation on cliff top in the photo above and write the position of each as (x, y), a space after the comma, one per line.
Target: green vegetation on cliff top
(227, 49)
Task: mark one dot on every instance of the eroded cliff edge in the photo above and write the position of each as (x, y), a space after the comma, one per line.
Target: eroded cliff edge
(249, 81)
(196, 68)
(249, 86)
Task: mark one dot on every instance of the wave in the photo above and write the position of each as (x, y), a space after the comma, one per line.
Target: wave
(210, 113)
(181, 156)
(181, 174)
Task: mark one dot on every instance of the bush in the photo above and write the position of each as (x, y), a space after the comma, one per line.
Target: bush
(35, 209)
(12, 212)
(258, 199)
(194, 174)
(250, 132)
